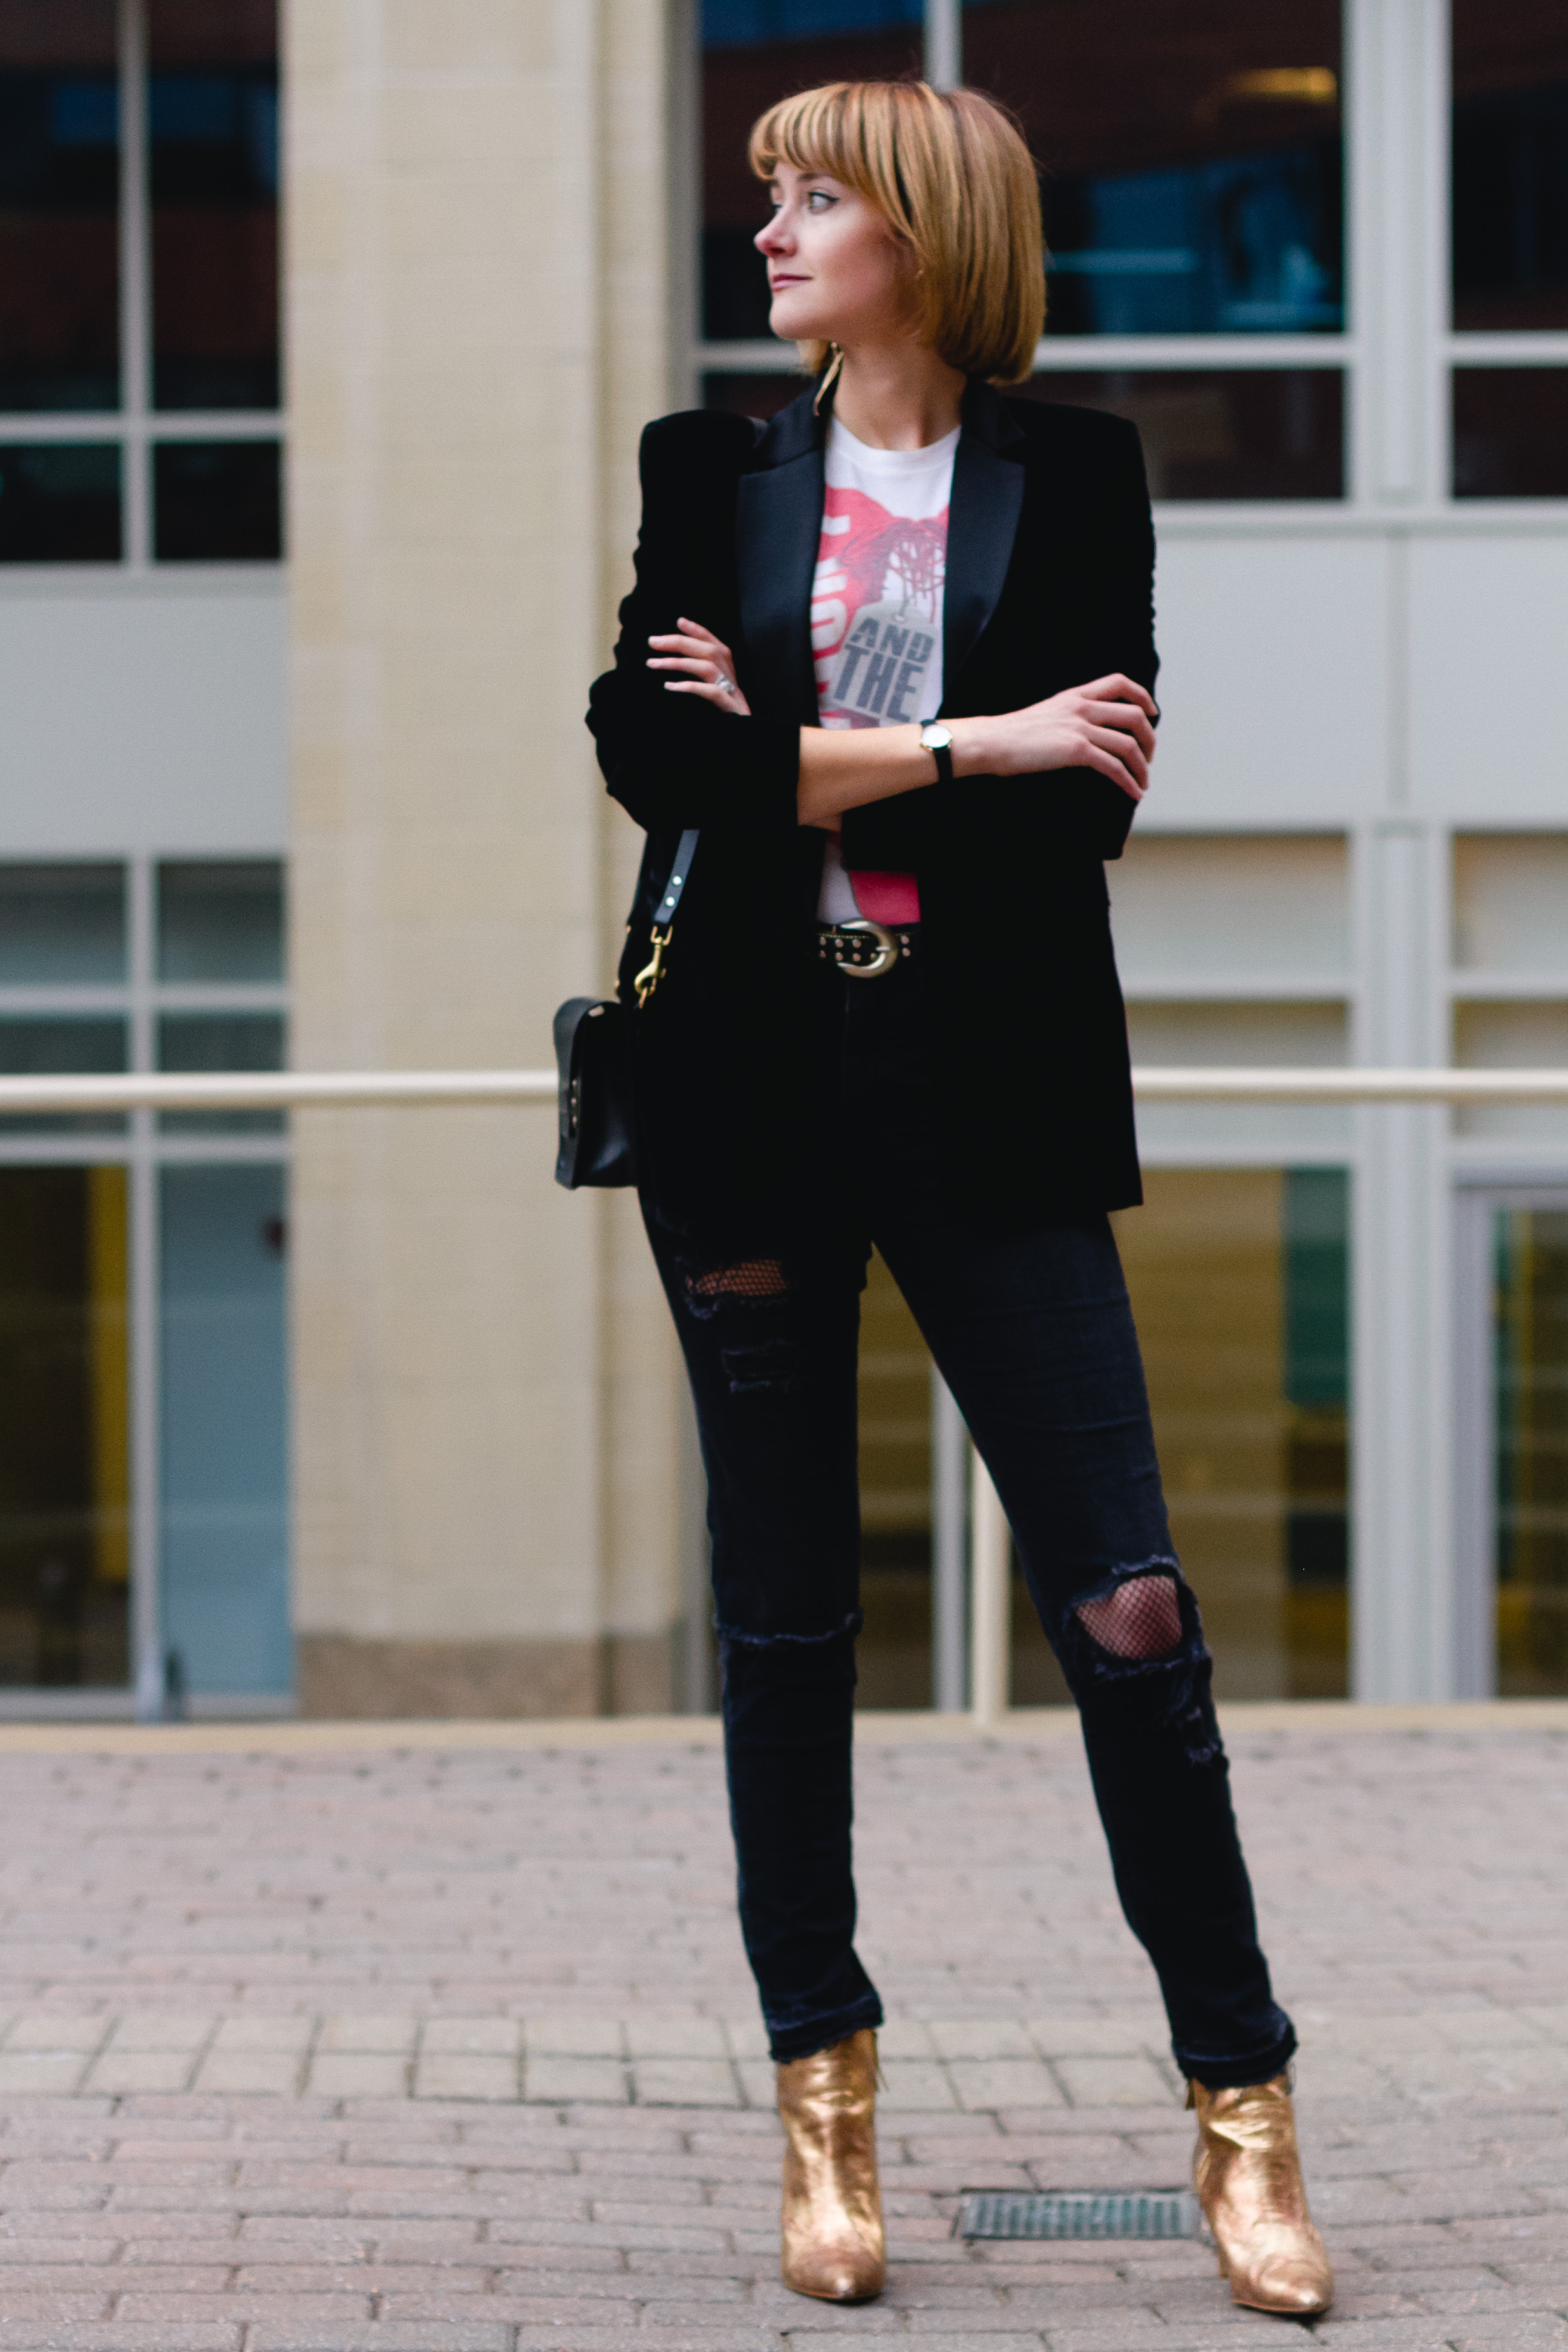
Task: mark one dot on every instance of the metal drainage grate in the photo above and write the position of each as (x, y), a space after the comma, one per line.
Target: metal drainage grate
(1142, 2214)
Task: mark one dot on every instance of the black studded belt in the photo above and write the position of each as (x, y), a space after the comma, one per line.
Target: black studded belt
(864, 950)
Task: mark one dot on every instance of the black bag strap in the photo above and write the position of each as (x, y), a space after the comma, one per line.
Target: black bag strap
(677, 876)
(648, 979)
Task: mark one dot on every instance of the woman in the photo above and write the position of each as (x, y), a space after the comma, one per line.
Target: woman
(886, 1011)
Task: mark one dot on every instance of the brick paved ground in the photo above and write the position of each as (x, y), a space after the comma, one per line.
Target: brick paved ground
(453, 2050)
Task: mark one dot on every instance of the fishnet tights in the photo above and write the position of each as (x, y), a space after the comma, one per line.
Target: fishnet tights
(756, 1277)
(1141, 1619)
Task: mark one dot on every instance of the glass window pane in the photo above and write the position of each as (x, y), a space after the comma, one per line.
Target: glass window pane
(1513, 1034)
(59, 205)
(1239, 1280)
(221, 919)
(59, 504)
(212, 123)
(1510, 164)
(218, 502)
(893, 1655)
(225, 1428)
(1191, 158)
(63, 1045)
(60, 924)
(754, 51)
(221, 1041)
(1257, 433)
(1510, 433)
(1530, 1373)
(65, 1552)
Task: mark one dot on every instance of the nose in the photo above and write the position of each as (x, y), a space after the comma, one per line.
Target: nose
(773, 237)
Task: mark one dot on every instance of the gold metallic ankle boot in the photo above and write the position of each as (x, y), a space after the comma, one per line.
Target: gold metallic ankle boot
(832, 2204)
(1247, 2175)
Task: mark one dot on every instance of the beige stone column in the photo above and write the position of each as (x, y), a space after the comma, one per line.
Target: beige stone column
(486, 1405)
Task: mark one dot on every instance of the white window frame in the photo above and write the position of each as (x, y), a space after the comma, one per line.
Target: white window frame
(136, 426)
(143, 1151)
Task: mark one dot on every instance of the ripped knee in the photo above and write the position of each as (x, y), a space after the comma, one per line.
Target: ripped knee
(1141, 1618)
(743, 1281)
(1136, 1640)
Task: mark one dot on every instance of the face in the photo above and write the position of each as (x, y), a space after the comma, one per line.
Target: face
(836, 272)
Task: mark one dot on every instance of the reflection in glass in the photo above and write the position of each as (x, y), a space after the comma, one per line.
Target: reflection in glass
(1191, 157)
(220, 919)
(1211, 432)
(64, 1428)
(63, 1044)
(893, 1656)
(1510, 164)
(1531, 1375)
(60, 503)
(1259, 433)
(1239, 1280)
(61, 924)
(1510, 433)
(59, 204)
(212, 128)
(217, 501)
(220, 1041)
(754, 51)
(223, 1487)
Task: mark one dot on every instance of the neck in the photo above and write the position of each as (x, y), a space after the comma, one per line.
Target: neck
(897, 396)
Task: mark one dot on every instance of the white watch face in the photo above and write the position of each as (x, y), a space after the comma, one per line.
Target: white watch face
(936, 739)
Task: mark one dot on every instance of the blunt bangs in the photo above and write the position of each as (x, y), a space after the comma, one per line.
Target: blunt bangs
(952, 176)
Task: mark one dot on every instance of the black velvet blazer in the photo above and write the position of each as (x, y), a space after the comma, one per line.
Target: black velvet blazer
(1049, 584)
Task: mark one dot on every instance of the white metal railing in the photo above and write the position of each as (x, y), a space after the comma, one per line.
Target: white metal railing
(360, 1089)
(989, 1565)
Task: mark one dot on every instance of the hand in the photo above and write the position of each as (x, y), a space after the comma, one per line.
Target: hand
(710, 664)
(1107, 726)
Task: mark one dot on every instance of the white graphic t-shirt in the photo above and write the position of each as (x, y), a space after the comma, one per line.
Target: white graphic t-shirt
(876, 621)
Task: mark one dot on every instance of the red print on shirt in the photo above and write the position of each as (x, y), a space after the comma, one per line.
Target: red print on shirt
(874, 610)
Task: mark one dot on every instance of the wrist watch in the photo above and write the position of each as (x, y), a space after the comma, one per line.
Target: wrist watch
(937, 739)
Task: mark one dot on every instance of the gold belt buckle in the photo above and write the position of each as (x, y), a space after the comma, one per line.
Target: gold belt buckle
(887, 954)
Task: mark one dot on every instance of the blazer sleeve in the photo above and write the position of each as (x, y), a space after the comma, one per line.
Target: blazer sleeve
(672, 760)
(1096, 616)
(1118, 610)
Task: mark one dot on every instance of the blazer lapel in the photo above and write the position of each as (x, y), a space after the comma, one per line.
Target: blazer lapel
(982, 522)
(778, 529)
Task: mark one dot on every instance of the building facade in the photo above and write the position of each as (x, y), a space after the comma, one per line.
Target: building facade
(324, 346)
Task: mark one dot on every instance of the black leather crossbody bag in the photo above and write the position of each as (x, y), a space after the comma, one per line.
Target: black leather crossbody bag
(596, 1126)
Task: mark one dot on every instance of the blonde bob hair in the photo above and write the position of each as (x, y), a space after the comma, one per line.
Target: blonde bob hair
(949, 173)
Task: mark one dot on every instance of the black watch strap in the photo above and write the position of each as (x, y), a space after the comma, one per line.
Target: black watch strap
(943, 754)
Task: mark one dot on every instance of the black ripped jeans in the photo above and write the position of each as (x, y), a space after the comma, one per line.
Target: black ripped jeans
(1033, 1333)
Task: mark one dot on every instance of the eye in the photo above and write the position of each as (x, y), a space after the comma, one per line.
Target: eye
(819, 201)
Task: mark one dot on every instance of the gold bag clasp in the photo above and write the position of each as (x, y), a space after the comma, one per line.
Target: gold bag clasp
(648, 979)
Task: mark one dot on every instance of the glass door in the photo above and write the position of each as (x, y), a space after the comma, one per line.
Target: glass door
(1514, 1439)
(1530, 1479)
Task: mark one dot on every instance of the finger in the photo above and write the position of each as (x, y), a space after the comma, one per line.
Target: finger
(707, 647)
(1123, 747)
(1129, 721)
(735, 702)
(696, 629)
(705, 669)
(1122, 777)
(1117, 689)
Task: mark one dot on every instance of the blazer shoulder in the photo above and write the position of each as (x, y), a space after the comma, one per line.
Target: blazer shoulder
(1053, 428)
(697, 440)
